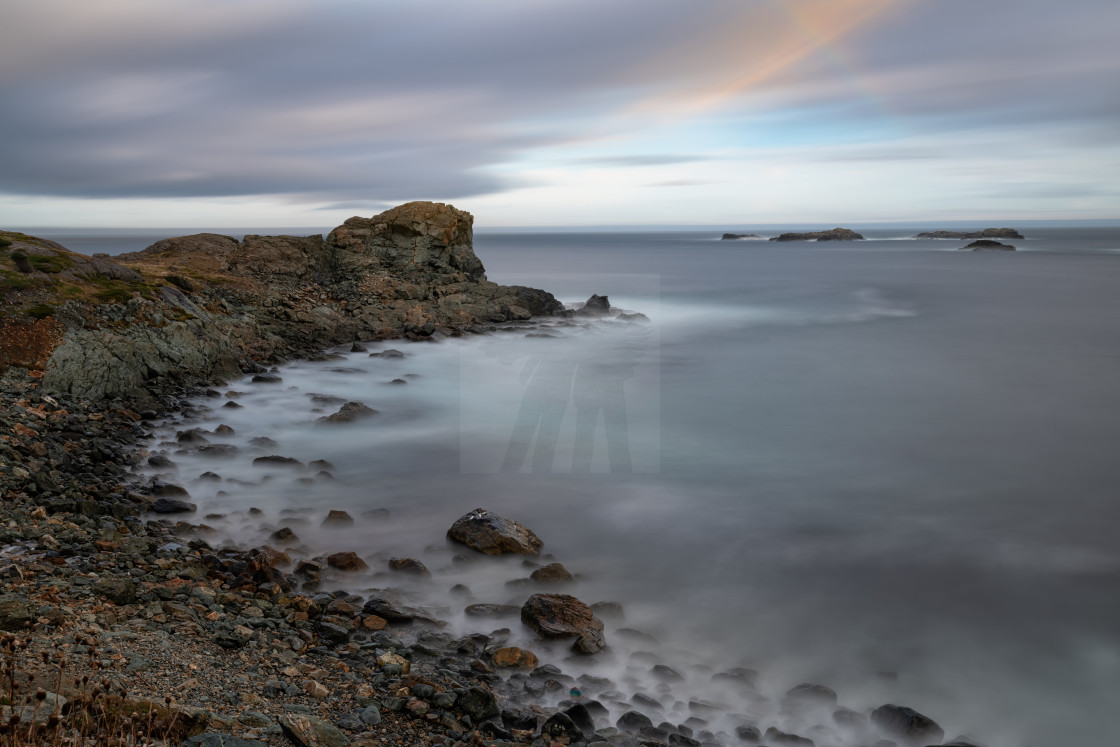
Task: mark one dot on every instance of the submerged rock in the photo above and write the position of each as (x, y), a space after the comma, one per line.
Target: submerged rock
(348, 413)
(491, 534)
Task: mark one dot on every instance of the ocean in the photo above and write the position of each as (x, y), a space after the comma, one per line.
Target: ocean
(889, 467)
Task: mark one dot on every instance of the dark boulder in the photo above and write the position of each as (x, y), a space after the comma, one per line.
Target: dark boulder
(409, 565)
(561, 725)
(564, 616)
(16, 611)
(633, 721)
(551, 573)
(478, 703)
(807, 694)
(596, 306)
(491, 534)
(172, 506)
(277, 461)
(116, 590)
(778, 738)
(900, 722)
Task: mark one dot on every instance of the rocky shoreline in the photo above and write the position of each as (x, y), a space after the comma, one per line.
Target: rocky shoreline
(124, 624)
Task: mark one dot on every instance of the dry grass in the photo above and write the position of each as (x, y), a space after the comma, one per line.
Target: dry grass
(28, 342)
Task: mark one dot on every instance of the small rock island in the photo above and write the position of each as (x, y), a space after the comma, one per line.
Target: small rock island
(983, 245)
(737, 236)
(987, 233)
(835, 234)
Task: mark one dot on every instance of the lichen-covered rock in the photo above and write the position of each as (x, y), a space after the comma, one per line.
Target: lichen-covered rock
(491, 534)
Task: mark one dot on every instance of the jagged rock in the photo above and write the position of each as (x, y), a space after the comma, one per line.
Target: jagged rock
(595, 306)
(348, 413)
(987, 233)
(633, 721)
(987, 245)
(512, 657)
(564, 616)
(491, 534)
(900, 722)
(834, 234)
(307, 731)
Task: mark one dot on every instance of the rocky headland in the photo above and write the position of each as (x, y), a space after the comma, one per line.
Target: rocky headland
(987, 233)
(834, 234)
(188, 310)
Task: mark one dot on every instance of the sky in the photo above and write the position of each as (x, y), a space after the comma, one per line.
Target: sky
(216, 113)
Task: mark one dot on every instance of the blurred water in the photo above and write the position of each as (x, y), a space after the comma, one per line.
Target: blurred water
(843, 460)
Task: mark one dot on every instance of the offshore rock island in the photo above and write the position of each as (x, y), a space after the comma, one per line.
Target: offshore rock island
(835, 234)
(987, 233)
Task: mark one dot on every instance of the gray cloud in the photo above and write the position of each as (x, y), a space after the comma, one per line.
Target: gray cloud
(369, 104)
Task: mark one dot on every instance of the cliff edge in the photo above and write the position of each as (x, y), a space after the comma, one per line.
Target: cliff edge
(185, 311)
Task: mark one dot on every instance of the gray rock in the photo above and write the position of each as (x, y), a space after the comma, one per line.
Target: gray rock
(16, 611)
(370, 715)
(116, 590)
(172, 506)
(478, 703)
(906, 723)
(307, 731)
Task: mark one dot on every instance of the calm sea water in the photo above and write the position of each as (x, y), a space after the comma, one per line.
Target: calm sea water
(824, 461)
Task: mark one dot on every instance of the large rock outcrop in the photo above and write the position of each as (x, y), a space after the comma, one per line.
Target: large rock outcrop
(191, 309)
(987, 233)
(834, 234)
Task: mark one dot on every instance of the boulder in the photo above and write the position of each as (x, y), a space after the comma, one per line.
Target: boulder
(596, 306)
(307, 731)
(275, 460)
(346, 561)
(551, 573)
(835, 234)
(808, 694)
(491, 610)
(348, 413)
(491, 534)
(512, 657)
(900, 722)
(561, 725)
(172, 506)
(564, 616)
(16, 611)
(116, 590)
(478, 703)
(409, 565)
(779, 738)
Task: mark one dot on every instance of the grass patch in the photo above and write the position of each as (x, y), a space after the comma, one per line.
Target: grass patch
(14, 281)
(114, 294)
(53, 263)
(40, 310)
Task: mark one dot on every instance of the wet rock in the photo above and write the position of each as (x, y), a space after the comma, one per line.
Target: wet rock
(219, 451)
(337, 518)
(521, 719)
(169, 490)
(492, 610)
(849, 719)
(263, 442)
(564, 616)
(551, 573)
(348, 413)
(479, 703)
(595, 306)
(808, 694)
(307, 731)
(633, 721)
(275, 460)
(512, 657)
(665, 673)
(346, 561)
(905, 723)
(191, 437)
(390, 353)
(491, 534)
(172, 506)
(779, 738)
(409, 565)
(160, 462)
(284, 534)
(210, 477)
(561, 726)
(267, 378)
(233, 405)
(748, 734)
(608, 611)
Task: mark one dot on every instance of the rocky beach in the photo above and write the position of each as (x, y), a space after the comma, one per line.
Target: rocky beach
(131, 615)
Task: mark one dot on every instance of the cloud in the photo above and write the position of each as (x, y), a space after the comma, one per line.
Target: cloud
(367, 104)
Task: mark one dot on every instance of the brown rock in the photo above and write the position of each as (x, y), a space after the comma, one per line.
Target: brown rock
(491, 534)
(564, 616)
(551, 573)
(512, 657)
(373, 622)
(346, 561)
(337, 518)
(409, 565)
